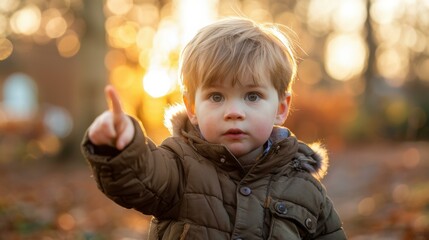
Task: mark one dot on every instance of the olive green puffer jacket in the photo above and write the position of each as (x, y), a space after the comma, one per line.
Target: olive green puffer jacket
(198, 190)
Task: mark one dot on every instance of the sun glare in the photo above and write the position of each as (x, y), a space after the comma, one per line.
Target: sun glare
(157, 82)
(172, 33)
(345, 56)
(194, 14)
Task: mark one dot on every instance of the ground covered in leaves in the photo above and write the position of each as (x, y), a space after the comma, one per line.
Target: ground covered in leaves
(381, 191)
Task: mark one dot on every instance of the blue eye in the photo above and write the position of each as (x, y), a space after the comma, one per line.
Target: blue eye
(216, 97)
(253, 97)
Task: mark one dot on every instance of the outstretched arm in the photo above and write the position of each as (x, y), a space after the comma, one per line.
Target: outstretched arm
(127, 166)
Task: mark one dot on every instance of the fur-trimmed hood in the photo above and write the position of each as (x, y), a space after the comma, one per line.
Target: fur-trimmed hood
(312, 157)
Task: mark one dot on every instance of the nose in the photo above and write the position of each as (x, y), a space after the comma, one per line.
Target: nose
(234, 111)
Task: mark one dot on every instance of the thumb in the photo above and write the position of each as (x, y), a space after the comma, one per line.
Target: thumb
(126, 136)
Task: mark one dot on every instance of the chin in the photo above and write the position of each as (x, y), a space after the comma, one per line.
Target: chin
(238, 152)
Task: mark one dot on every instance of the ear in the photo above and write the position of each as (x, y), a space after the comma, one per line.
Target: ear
(283, 109)
(190, 110)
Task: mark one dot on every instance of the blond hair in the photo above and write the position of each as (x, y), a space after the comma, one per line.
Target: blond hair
(238, 49)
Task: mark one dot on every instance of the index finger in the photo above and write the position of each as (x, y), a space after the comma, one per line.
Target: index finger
(113, 96)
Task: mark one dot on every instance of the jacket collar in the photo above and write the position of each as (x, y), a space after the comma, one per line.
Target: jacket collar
(312, 158)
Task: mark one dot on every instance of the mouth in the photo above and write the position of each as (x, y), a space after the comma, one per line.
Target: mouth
(234, 132)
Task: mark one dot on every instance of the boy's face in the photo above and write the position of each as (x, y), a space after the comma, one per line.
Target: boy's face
(241, 117)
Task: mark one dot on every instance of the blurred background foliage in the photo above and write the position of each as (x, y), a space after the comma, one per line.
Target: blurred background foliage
(363, 77)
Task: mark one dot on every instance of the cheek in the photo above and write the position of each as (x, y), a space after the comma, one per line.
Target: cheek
(204, 116)
(263, 124)
(264, 129)
(207, 125)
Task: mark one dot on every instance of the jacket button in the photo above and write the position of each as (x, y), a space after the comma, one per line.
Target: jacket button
(246, 191)
(309, 223)
(222, 159)
(281, 208)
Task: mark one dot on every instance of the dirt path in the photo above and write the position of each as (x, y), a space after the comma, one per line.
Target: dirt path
(382, 191)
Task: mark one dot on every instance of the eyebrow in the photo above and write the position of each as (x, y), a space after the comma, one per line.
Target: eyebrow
(248, 85)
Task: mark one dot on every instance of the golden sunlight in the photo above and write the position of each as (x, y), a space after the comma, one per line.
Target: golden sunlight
(345, 56)
(123, 76)
(194, 14)
(157, 82)
(171, 35)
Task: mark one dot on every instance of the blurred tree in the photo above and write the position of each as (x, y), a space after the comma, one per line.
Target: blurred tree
(93, 77)
(396, 76)
(373, 51)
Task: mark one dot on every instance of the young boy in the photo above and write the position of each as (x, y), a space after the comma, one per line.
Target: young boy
(229, 170)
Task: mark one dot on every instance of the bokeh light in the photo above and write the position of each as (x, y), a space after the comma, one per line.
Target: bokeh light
(366, 206)
(114, 58)
(319, 16)
(145, 14)
(26, 20)
(8, 6)
(393, 65)
(345, 56)
(6, 48)
(411, 158)
(68, 45)
(58, 120)
(386, 11)
(66, 221)
(123, 76)
(349, 15)
(400, 193)
(49, 144)
(56, 27)
(119, 7)
(36, 21)
(397, 111)
(20, 96)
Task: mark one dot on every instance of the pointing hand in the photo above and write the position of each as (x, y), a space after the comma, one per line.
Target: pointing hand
(113, 127)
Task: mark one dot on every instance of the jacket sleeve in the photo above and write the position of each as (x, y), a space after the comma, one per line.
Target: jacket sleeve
(329, 223)
(142, 176)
